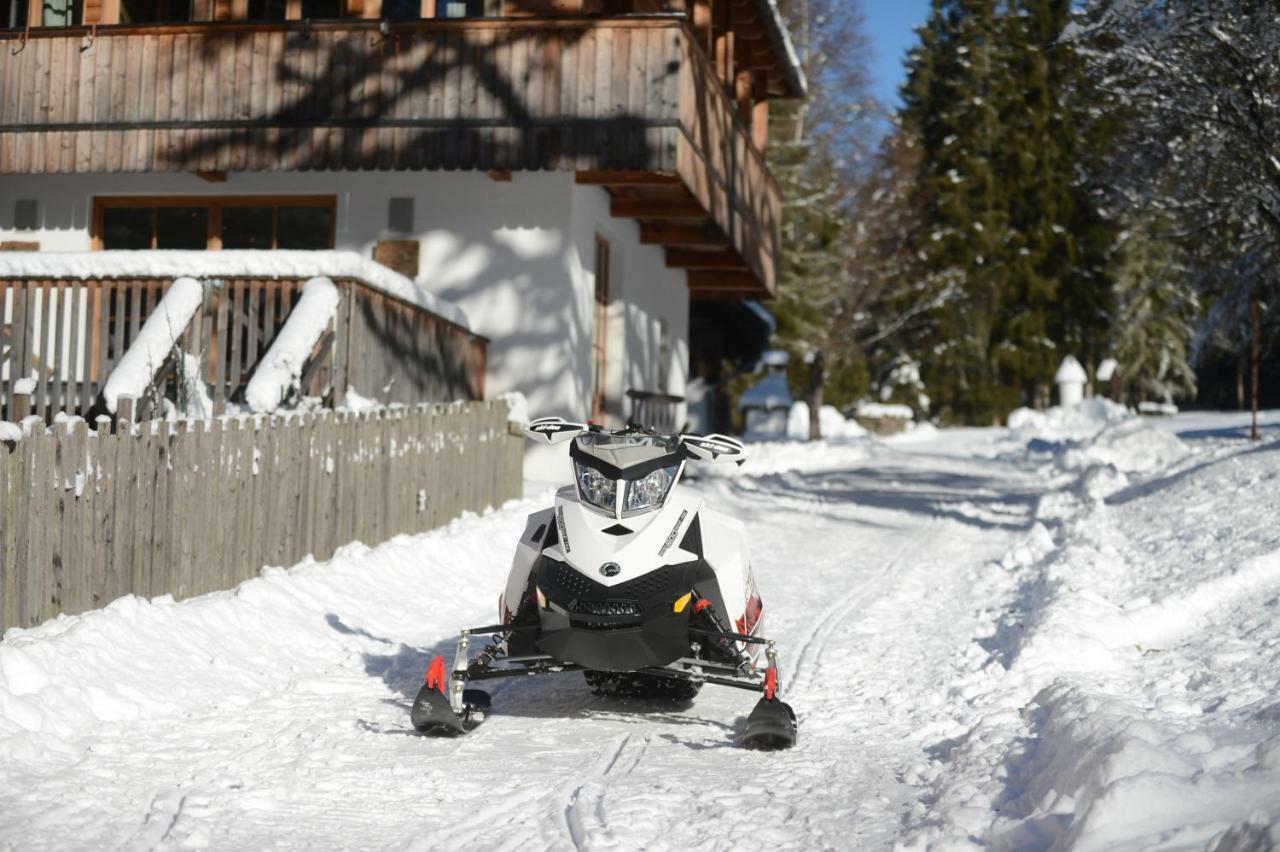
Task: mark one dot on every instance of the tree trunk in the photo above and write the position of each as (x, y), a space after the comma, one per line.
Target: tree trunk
(1240, 382)
(1255, 321)
(816, 370)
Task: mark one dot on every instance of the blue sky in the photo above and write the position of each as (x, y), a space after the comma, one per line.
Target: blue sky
(890, 25)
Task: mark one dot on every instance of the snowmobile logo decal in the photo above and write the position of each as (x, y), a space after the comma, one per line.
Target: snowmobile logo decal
(564, 536)
(671, 539)
(611, 569)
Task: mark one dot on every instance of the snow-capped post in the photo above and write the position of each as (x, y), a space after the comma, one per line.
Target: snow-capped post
(21, 406)
(1070, 380)
(124, 413)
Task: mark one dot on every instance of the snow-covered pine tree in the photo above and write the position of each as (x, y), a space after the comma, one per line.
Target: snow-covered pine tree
(1200, 80)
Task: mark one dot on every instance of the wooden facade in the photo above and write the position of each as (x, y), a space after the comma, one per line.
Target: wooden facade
(636, 104)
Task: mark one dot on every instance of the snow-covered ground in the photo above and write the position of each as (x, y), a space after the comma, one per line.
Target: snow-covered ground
(1065, 635)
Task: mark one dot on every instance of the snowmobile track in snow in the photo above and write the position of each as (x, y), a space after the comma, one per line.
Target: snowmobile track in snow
(805, 665)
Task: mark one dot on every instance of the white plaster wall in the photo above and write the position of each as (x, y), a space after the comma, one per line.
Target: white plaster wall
(517, 256)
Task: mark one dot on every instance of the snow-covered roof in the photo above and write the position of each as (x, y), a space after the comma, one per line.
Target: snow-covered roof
(775, 358)
(792, 71)
(227, 264)
(1106, 369)
(1071, 371)
(769, 392)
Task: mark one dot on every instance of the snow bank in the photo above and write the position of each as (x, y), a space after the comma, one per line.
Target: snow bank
(281, 367)
(138, 660)
(831, 422)
(155, 341)
(227, 264)
(1076, 421)
(885, 411)
(1126, 692)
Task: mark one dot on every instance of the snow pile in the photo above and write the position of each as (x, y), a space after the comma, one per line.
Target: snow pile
(1096, 441)
(238, 263)
(885, 411)
(831, 422)
(517, 407)
(147, 661)
(1083, 420)
(280, 369)
(357, 403)
(155, 341)
(1126, 693)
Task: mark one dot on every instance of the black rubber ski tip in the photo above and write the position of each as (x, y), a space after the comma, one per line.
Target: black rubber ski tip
(771, 726)
(431, 713)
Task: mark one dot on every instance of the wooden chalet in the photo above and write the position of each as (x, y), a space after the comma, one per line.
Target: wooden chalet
(548, 138)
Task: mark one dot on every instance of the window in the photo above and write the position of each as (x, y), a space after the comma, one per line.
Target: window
(13, 13)
(214, 223)
(600, 333)
(155, 11)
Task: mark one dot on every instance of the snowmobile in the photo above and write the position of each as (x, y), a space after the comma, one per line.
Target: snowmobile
(628, 580)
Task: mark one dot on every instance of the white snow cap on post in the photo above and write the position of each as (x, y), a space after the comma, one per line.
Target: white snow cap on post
(282, 366)
(1070, 379)
(157, 338)
(1106, 369)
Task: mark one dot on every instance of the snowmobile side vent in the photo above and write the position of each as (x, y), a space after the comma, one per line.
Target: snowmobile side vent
(617, 529)
(538, 533)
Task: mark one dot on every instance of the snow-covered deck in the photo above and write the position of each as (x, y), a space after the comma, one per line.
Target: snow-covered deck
(76, 316)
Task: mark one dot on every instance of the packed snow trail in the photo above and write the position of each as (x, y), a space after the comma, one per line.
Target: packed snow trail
(897, 579)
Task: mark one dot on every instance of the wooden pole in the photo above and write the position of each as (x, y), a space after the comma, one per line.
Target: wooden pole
(1255, 358)
(124, 414)
(21, 406)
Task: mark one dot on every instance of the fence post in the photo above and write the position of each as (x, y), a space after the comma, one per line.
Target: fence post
(124, 414)
(21, 406)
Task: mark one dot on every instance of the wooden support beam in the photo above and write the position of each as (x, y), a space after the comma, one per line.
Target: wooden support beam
(683, 236)
(760, 114)
(702, 24)
(722, 25)
(686, 259)
(743, 85)
(626, 178)
(656, 208)
(712, 281)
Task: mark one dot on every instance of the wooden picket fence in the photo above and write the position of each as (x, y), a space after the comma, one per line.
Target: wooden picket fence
(186, 508)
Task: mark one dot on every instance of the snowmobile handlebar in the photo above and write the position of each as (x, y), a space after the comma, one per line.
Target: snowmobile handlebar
(703, 448)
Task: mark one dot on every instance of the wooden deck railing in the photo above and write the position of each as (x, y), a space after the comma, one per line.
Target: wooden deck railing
(69, 334)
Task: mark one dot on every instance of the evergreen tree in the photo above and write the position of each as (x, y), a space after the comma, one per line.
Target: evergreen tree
(989, 99)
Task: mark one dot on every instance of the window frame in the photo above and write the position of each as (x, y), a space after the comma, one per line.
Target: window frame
(214, 204)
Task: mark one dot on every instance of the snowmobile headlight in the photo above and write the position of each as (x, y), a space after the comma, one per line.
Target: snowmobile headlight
(596, 488)
(649, 492)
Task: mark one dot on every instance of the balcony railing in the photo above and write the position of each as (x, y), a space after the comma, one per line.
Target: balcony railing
(617, 95)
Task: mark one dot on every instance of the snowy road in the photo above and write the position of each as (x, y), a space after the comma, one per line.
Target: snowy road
(276, 716)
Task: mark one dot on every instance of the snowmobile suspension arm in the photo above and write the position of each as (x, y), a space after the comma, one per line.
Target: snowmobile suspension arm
(725, 634)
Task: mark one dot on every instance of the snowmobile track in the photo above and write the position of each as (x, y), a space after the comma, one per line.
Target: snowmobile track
(581, 803)
(804, 666)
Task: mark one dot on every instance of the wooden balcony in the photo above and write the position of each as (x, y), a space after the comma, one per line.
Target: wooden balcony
(630, 103)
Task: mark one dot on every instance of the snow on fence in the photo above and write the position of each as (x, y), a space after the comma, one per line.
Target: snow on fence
(70, 333)
(192, 507)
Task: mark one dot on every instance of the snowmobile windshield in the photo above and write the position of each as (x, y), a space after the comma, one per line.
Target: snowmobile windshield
(625, 475)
